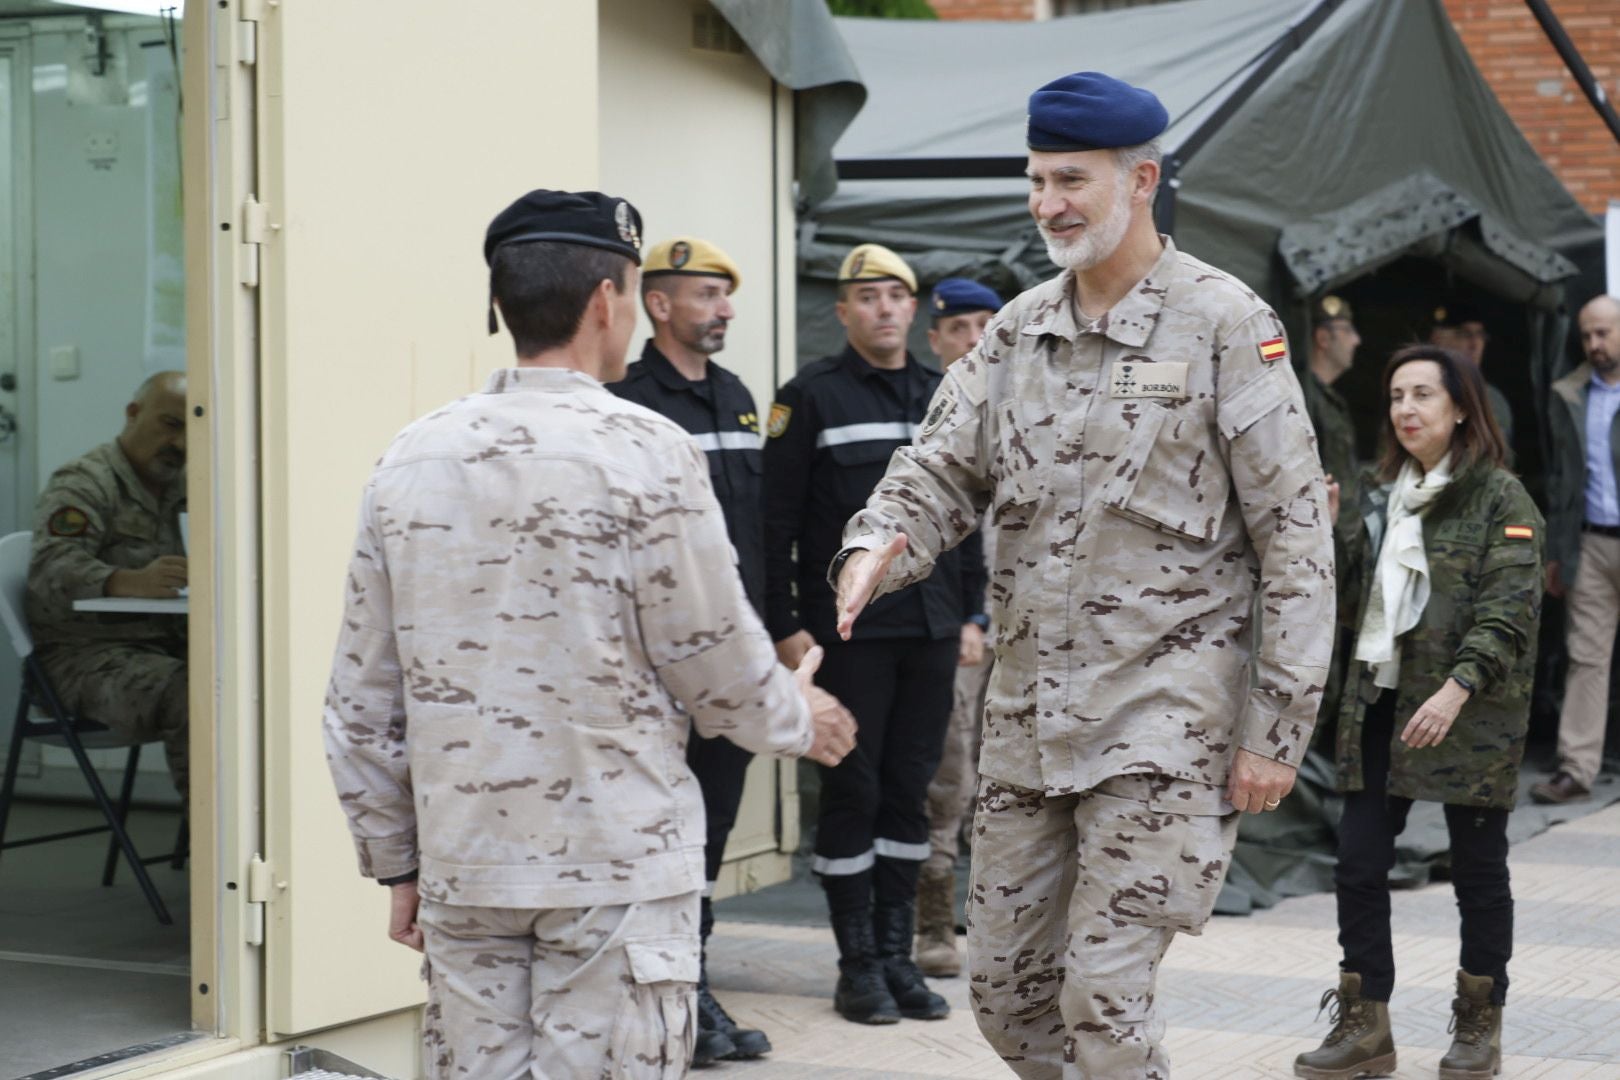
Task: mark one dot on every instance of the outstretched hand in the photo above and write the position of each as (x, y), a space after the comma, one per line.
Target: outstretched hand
(859, 579)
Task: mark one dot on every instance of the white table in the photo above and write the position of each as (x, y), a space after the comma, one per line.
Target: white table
(134, 605)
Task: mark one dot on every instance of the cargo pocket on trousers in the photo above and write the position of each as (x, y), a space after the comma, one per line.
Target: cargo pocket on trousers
(657, 1027)
(1152, 868)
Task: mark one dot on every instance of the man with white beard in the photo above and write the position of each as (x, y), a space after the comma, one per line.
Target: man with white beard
(1136, 438)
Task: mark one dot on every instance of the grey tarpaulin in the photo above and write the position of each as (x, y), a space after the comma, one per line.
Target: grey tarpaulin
(1376, 140)
(795, 41)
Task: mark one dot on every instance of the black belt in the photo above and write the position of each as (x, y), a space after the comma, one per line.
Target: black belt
(1601, 530)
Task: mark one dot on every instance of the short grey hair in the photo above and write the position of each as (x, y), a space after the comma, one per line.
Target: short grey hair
(1129, 157)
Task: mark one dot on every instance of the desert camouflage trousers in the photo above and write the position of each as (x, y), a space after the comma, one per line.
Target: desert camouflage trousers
(603, 993)
(1072, 902)
(951, 793)
(137, 688)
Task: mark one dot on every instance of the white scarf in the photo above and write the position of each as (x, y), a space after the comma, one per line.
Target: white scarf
(1400, 588)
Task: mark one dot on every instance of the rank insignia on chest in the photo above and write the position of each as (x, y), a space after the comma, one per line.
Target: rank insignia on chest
(1519, 532)
(1275, 349)
(68, 521)
(1151, 380)
(777, 422)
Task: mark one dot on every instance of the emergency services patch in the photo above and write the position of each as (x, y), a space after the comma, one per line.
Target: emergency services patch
(777, 422)
(68, 521)
(944, 405)
(1275, 349)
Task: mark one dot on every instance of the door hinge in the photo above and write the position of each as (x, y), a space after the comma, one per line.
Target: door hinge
(247, 30)
(253, 227)
(257, 895)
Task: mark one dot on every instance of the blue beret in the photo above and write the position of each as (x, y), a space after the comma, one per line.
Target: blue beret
(568, 217)
(1092, 111)
(954, 295)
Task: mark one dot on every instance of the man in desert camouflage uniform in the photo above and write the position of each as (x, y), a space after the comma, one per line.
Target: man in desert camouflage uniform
(541, 605)
(1137, 437)
(108, 524)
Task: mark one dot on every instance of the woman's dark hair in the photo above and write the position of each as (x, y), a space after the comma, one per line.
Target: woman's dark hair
(543, 287)
(1476, 439)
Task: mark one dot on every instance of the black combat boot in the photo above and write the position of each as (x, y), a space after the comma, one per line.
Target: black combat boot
(892, 923)
(745, 1042)
(1360, 1043)
(862, 994)
(1476, 1024)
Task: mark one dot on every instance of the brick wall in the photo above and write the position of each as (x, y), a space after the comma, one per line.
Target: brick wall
(1530, 79)
(1004, 10)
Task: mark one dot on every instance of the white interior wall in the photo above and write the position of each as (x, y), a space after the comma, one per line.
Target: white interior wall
(90, 243)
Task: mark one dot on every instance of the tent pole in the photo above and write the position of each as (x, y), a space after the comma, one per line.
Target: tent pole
(1575, 63)
(1164, 208)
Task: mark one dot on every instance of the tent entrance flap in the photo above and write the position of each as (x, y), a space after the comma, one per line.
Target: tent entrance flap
(1419, 215)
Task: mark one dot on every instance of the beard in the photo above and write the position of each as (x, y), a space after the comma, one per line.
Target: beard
(709, 338)
(1099, 240)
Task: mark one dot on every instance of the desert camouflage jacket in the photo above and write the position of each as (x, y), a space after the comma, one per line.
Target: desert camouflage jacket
(542, 602)
(95, 517)
(1143, 476)
(1484, 540)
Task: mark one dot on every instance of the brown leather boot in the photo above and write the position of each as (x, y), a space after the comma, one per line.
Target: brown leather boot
(1360, 1043)
(936, 927)
(1476, 1026)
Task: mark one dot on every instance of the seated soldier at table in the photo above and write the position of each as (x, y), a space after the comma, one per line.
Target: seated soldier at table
(108, 524)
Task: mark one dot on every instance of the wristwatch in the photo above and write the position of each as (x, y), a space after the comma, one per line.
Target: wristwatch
(836, 567)
(980, 619)
(1464, 683)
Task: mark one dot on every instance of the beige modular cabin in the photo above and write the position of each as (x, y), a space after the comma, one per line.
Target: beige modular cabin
(327, 168)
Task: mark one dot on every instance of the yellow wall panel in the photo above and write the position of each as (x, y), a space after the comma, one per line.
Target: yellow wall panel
(389, 136)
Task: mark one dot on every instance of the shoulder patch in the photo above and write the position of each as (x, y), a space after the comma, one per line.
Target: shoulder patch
(1275, 349)
(777, 422)
(68, 521)
(944, 405)
(1519, 532)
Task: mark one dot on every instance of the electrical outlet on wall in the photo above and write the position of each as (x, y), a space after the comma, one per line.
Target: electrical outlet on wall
(101, 149)
(64, 362)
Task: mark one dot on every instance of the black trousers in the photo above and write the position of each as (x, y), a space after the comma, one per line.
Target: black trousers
(872, 832)
(1479, 872)
(720, 766)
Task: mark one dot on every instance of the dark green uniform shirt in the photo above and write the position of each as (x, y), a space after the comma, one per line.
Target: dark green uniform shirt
(1484, 540)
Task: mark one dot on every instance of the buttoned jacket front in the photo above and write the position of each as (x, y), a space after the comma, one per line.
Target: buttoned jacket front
(1143, 477)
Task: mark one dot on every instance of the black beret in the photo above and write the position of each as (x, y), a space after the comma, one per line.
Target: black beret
(954, 295)
(1092, 111)
(568, 217)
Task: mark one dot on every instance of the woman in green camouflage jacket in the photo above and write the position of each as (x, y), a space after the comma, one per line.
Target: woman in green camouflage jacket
(1446, 575)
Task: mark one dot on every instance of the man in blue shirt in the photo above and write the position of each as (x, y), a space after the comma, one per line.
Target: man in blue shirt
(1583, 545)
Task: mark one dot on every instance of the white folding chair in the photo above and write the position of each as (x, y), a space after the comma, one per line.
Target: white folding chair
(40, 716)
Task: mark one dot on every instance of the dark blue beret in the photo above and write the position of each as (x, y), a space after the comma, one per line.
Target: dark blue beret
(1092, 111)
(954, 295)
(568, 217)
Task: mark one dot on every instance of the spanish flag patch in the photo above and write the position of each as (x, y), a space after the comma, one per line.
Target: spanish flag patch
(1275, 349)
(1519, 532)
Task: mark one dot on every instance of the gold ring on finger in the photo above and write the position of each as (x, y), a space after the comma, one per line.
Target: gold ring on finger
(1272, 804)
